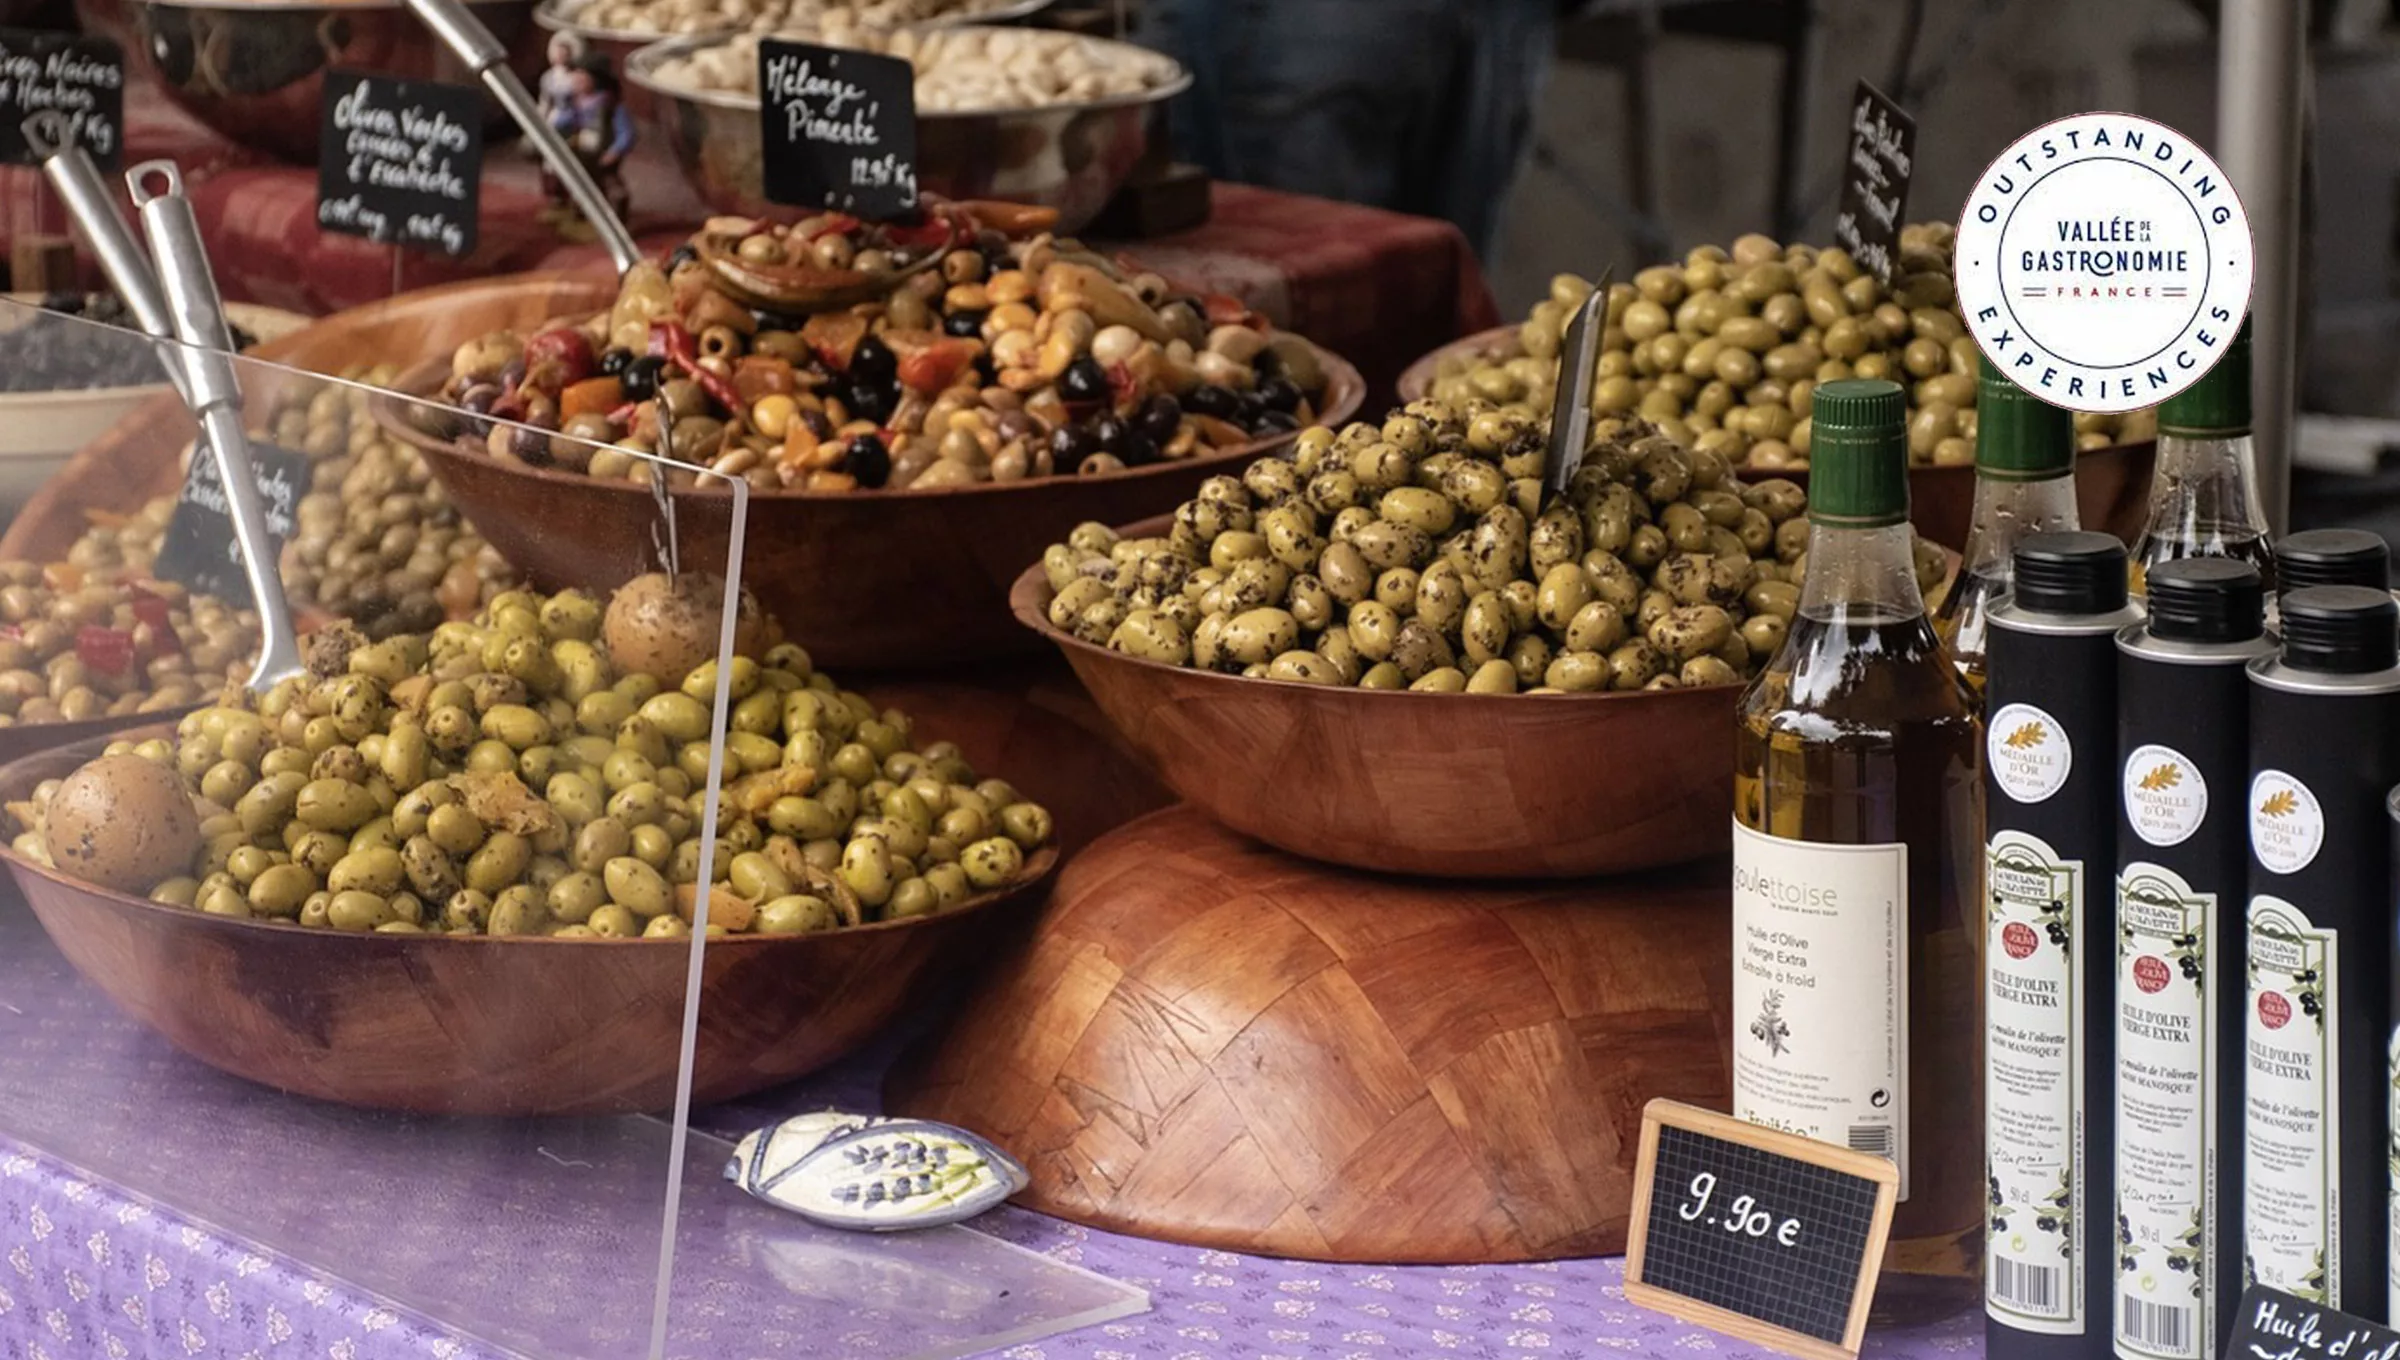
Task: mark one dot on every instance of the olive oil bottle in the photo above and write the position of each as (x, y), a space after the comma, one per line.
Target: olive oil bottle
(2049, 1055)
(2204, 492)
(2183, 863)
(2024, 484)
(2316, 1097)
(1857, 867)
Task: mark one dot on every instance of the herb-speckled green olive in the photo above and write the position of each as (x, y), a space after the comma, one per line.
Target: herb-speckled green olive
(600, 841)
(678, 716)
(467, 912)
(1764, 633)
(1495, 676)
(1396, 590)
(1440, 680)
(1079, 595)
(1028, 824)
(319, 851)
(914, 897)
(1386, 545)
(1374, 629)
(1485, 631)
(1634, 665)
(375, 871)
(330, 805)
(636, 886)
(455, 829)
(1413, 507)
(357, 912)
(575, 798)
(867, 869)
(1383, 675)
(518, 910)
(757, 877)
(269, 803)
(1564, 592)
(1708, 670)
(1691, 630)
(614, 922)
(1597, 627)
(1153, 636)
(1347, 575)
(798, 914)
(1254, 637)
(500, 862)
(991, 862)
(1577, 672)
(429, 870)
(281, 891)
(181, 891)
(1419, 650)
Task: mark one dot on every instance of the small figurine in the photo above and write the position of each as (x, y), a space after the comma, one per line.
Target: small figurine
(558, 80)
(590, 114)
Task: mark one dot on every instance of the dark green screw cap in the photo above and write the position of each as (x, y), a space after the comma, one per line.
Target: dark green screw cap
(2217, 406)
(1858, 454)
(2018, 436)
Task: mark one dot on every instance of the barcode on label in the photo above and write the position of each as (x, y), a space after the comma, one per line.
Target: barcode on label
(2033, 1289)
(1878, 1139)
(2157, 1326)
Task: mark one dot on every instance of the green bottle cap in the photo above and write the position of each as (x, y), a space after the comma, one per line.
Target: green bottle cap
(2018, 436)
(1858, 454)
(2217, 406)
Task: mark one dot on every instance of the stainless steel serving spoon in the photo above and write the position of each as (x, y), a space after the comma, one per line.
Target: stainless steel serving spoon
(1571, 400)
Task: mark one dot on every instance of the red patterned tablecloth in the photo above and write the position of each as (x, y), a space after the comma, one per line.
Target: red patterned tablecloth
(1378, 287)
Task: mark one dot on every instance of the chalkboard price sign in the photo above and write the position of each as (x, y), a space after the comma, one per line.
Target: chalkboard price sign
(400, 161)
(81, 79)
(2273, 1325)
(1761, 1234)
(199, 548)
(839, 129)
(1877, 164)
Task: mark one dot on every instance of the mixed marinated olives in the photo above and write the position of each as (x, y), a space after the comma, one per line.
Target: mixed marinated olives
(1723, 350)
(506, 776)
(77, 645)
(1421, 554)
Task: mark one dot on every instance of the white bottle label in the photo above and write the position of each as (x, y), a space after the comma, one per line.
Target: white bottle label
(2291, 1128)
(2287, 827)
(1820, 988)
(2027, 752)
(2166, 800)
(2166, 1116)
(2033, 1085)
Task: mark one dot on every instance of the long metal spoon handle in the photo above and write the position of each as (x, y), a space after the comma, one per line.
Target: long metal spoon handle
(464, 34)
(214, 393)
(71, 172)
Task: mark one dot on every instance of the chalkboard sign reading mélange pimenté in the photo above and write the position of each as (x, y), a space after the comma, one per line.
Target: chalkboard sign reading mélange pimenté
(78, 78)
(1758, 1233)
(400, 161)
(838, 129)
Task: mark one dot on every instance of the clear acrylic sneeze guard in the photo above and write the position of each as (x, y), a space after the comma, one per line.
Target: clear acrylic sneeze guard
(533, 1236)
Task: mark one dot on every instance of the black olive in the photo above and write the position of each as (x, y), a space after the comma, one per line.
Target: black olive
(1070, 445)
(1137, 449)
(965, 325)
(1268, 364)
(1109, 433)
(776, 321)
(1208, 399)
(512, 373)
(868, 402)
(873, 362)
(1279, 394)
(641, 377)
(868, 460)
(1084, 380)
(986, 369)
(684, 254)
(1199, 317)
(1274, 422)
(614, 361)
(1158, 418)
(530, 444)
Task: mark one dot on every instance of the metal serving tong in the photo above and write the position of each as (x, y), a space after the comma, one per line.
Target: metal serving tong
(70, 170)
(464, 34)
(196, 319)
(1571, 402)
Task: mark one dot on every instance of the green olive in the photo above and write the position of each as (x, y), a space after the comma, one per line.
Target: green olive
(636, 886)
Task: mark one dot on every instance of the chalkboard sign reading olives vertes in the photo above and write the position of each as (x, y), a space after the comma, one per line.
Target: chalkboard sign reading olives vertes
(1758, 1233)
(1878, 160)
(199, 548)
(838, 129)
(400, 161)
(82, 79)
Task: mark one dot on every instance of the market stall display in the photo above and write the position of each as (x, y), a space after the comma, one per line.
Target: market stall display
(651, 19)
(1049, 118)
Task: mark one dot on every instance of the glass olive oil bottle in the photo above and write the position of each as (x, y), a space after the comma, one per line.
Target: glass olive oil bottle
(1858, 849)
(2024, 484)
(2204, 492)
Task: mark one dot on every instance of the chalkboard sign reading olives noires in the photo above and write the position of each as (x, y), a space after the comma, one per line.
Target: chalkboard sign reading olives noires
(199, 548)
(1879, 158)
(2273, 1325)
(82, 79)
(400, 161)
(838, 129)
(1758, 1233)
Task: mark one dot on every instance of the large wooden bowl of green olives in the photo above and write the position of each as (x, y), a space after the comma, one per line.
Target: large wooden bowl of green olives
(1722, 349)
(456, 873)
(1392, 651)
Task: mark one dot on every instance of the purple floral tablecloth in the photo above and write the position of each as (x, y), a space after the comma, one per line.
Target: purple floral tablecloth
(92, 1267)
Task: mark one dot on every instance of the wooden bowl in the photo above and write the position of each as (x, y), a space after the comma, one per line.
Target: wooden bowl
(471, 1025)
(1449, 785)
(141, 456)
(2112, 485)
(868, 581)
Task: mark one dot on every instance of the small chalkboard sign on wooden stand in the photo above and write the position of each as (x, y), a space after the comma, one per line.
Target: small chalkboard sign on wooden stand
(2273, 1325)
(1757, 1233)
(80, 78)
(838, 129)
(1878, 160)
(199, 549)
(400, 161)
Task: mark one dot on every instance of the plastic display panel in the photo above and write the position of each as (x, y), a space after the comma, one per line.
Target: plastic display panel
(428, 1165)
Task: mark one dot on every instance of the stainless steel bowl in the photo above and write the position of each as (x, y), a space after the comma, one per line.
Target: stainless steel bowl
(1072, 157)
(255, 71)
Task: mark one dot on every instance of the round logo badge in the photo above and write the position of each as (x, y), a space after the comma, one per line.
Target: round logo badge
(2165, 798)
(2103, 262)
(2028, 752)
(2274, 1011)
(2150, 973)
(2018, 939)
(2287, 827)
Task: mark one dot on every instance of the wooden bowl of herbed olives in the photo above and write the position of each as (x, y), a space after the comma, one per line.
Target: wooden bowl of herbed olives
(487, 1025)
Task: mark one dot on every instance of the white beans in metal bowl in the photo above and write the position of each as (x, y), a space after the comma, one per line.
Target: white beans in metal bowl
(960, 70)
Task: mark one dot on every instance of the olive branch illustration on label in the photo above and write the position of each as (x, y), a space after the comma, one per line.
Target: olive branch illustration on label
(2165, 776)
(2031, 734)
(2280, 803)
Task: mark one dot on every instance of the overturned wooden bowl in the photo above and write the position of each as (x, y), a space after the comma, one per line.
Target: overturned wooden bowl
(2112, 485)
(1453, 785)
(867, 581)
(471, 1025)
